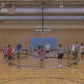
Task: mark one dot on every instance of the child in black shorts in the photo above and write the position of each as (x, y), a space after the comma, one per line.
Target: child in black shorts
(60, 53)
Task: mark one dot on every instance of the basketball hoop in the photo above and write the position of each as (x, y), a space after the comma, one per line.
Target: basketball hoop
(43, 30)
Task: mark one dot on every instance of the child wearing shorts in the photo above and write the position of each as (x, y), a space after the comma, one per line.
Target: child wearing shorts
(60, 52)
(9, 55)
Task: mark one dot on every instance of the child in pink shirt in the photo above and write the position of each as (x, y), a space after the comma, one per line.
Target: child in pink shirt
(42, 56)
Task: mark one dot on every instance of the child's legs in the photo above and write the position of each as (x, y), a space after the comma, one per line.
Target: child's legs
(18, 55)
(76, 56)
(81, 56)
(5, 58)
(9, 59)
(60, 57)
(68, 54)
(42, 62)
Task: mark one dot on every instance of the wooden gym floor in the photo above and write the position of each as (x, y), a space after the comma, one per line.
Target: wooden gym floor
(35, 75)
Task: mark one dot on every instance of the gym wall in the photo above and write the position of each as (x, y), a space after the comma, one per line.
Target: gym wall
(64, 36)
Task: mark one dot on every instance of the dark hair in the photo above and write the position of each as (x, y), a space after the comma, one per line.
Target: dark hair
(81, 43)
(76, 42)
(60, 45)
(41, 48)
(9, 46)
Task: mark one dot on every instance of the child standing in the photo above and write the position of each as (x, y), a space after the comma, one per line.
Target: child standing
(13, 53)
(5, 54)
(19, 47)
(68, 51)
(82, 52)
(9, 55)
(76, 52)
(60, 53)
(30, 49)
(42, 56)
(47, 48)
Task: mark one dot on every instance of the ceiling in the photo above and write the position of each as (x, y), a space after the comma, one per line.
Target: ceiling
(38, 4)
(47, 3)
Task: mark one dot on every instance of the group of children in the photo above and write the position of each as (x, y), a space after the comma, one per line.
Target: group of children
(75, 51)
(9, 53)
(60, 52)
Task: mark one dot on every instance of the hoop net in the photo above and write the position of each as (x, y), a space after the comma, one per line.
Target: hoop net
(43, 30)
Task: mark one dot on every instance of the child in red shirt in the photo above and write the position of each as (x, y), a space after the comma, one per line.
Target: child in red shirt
(9, 55)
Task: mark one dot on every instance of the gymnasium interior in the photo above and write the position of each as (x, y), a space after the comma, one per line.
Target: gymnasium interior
(41, 21)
